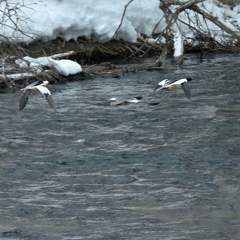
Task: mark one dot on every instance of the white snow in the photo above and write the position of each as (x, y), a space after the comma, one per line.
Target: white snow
(69, 19)
(63, 67)
(91, 18)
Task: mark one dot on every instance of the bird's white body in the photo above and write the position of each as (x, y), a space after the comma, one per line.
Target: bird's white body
(174, 84)
(41, 87)
(135, 100)
(120, 102)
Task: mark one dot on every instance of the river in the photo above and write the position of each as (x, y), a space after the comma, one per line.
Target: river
(94, 170)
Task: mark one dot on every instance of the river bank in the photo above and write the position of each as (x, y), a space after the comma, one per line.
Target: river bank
(113, 58)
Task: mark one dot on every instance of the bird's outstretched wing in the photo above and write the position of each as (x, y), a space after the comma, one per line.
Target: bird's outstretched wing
(161, 84)
(186, 89)
(24, 99)
(47, 95)
(31, 85)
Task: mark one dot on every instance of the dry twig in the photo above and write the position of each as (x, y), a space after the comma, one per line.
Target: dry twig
(125, 8)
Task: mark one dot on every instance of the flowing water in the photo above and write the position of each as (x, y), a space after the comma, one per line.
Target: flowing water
(99, 171)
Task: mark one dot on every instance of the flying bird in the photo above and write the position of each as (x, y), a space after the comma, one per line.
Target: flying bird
(174, 84)
(41, 87)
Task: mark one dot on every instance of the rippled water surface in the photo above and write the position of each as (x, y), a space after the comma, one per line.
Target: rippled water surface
(99, 171)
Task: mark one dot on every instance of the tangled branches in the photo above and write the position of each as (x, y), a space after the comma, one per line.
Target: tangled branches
(181, 17)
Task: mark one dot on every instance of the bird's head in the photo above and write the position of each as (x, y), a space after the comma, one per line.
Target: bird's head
(189, 79)
(51, 81)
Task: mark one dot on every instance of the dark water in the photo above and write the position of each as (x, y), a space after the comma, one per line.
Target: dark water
(98, 171)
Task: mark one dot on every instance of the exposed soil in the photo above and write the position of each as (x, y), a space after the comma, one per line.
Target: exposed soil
(113, 58)
(95, 58)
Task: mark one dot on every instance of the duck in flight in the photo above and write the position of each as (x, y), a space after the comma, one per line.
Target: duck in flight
(174, 84)
(41, 87)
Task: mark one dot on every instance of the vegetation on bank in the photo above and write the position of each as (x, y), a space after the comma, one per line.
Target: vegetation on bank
(115, 57)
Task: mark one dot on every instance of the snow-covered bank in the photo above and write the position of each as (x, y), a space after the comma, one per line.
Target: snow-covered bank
(63, 67)
(42, 67)
(194, 22)
(46, 20)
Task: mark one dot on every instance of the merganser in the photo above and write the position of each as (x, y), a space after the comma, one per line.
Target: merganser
(174, 84)
(41, 87)
(135, 100)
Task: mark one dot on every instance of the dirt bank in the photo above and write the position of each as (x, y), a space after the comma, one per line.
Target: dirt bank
(114, 58)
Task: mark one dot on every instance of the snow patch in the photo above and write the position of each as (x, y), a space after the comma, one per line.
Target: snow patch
(64, 67)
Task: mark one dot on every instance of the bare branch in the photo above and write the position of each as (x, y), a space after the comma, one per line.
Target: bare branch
(170, 22)
(216, 21)
(157, 25)
(189, 4)
(125, 8)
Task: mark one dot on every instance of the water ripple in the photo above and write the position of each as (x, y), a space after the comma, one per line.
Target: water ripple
(98, 171)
